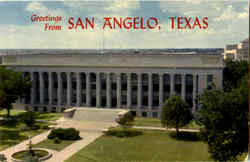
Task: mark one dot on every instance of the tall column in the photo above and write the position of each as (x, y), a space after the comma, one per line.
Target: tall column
(78, 89)
(150, 91)
(172, 84)
(129, 91)
(108, 90)
(139, 91)
(118, 90)
(160, 90)
(59, 89)
(41, 87)
(200, 82)
(183, 86)
(98, 90)
(88, 103)
(22, 99)
(50, 88)
(33, 88)
(69, 89)
(194, 92)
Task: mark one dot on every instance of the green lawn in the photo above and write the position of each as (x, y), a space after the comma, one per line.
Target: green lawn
(40, 116)
(11, 132)
(152, 122)
(49, 144)
(49, 116)
(153, 145)
(13, 112)
(155, 122)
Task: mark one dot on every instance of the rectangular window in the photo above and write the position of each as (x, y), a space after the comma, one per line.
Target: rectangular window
(155, 114)
(209, 81)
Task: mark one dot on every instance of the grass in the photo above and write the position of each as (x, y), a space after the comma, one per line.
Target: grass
(152, 145)
(49, 116)
(152, 122)
(49, 144)
(3, 113)
(11, 132)
(14, 113)
(155, 122)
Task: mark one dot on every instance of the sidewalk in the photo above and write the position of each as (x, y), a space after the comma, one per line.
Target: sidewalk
(74, 148)
(23, 145)
(169, 129)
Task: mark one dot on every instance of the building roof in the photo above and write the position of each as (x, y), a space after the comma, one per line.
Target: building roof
(113, 51)
(245, 40)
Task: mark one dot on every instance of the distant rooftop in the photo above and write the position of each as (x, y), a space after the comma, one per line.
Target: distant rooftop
(245, 40)
(113, 51)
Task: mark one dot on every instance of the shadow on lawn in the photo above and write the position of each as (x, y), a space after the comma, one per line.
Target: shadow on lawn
(186, 136)
(9, 123)
(11, 137)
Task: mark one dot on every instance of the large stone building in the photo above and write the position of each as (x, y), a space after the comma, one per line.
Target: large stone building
(137, 80)
(237, 52)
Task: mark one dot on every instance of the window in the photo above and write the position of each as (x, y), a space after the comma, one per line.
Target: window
(53, 109)
(35, 109)
(144, 114)
(155, 114)
(209, 81)
(133, 113)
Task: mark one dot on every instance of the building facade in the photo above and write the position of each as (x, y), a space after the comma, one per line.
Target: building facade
(130, 80)
(237, 52)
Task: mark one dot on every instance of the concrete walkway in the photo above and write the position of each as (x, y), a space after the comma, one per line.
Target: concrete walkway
(89, 122)
(75, 147)
(169, 129)
(23, 145)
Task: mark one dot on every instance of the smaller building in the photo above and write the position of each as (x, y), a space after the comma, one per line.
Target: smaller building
(237, 51)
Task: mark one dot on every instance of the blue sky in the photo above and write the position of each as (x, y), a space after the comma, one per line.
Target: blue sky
(228, 23)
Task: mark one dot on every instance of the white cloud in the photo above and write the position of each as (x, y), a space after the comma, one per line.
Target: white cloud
(229, 14)
(36, 7)
(120, 5)
(39, 8)
(110, 6)
(218, 33)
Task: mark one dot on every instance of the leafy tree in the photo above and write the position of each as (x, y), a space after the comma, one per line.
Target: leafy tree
(224, 118)
(233, 72)
(176, 113)
(126, 120)
(12, 86)
(29, 118)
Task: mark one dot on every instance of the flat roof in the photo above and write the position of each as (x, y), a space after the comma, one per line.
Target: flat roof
(113, 51)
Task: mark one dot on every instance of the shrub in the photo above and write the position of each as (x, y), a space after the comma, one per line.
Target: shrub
(35, 127)
(57, 140)
(126, 120)
(64, 134)
(25, 128)
(46, 127)
(123, 132)
(187, 136)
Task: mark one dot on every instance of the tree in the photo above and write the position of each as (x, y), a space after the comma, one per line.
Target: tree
(176, 113)
(29, 118)
(233, 72)
(223, 119)
(12, 86)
